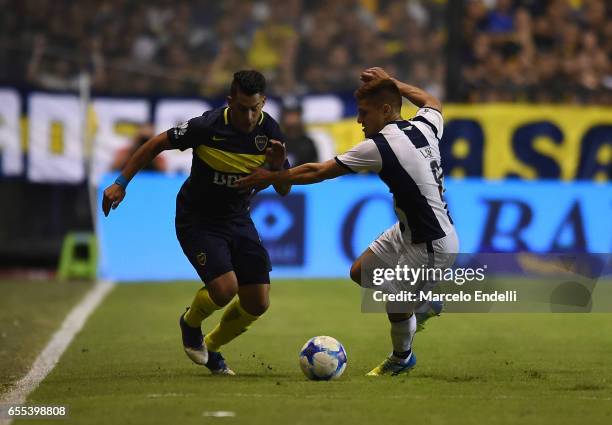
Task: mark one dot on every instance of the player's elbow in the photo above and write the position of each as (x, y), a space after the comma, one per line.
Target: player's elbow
(283, 189)
(158, 144)
(433, 102)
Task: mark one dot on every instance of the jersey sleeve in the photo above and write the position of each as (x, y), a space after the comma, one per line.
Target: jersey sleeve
(433, 118)
(361, 158)
(189, 134)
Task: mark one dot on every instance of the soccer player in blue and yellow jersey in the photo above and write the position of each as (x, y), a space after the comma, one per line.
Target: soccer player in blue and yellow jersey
(213, 224)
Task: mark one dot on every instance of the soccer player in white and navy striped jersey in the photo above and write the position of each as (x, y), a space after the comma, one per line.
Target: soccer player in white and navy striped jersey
(406, 157)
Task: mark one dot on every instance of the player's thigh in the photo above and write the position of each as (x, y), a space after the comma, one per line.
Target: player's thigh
(366, 257)
(255, 298)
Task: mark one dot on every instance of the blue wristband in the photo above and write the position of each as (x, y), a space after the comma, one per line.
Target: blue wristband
(122, 181)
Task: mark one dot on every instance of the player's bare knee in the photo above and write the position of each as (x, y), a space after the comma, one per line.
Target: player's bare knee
(259, 309)
(356, 272)
(222, 296)
(223, 289)
(255, 307)
(255, 298)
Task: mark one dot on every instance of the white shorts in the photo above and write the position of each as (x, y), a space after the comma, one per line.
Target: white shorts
(392, 248)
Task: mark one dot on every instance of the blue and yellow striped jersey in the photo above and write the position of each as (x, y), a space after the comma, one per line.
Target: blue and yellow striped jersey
(221, 155)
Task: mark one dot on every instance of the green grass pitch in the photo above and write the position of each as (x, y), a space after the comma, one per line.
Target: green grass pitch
(30, 311)
(127, 365)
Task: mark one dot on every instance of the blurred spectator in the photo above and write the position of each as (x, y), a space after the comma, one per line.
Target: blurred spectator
(192, 47)
(300, 148)
(58, 72)
(144, 133)
(500, 20)
(548, 51)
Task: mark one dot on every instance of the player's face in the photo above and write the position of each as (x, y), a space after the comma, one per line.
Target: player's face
(372, 117)
(245, 110)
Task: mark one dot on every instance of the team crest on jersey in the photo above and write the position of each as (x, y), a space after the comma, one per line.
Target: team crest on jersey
(181, 129)
(201, 257)
(261, 142)
(426, 152)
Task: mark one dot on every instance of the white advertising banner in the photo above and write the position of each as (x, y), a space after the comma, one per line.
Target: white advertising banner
(54, 145)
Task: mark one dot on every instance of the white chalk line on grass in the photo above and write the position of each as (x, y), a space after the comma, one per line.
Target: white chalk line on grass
(427, 397)
(50, 355)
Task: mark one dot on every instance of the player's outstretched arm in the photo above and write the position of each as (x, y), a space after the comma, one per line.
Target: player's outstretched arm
(114, 194)
(310, 173)
(414, 94)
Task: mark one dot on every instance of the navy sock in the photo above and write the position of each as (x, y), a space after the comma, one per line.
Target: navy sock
(402, 354)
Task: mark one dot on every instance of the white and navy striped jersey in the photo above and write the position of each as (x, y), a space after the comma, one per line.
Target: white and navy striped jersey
(406, 156)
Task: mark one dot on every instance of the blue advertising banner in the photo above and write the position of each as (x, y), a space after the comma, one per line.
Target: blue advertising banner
(317, 231)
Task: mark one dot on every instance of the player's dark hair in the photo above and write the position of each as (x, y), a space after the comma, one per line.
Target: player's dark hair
(381, 91)
(249, 82)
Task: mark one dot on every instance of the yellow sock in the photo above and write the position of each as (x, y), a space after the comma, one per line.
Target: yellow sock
(202, 306)
(235, 320)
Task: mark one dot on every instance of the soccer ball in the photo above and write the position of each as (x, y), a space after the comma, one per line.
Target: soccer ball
(322, 358)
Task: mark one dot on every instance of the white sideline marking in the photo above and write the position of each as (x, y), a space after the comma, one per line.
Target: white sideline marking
(167, 395)
(50, 355)
(427, 397)
(220, 414)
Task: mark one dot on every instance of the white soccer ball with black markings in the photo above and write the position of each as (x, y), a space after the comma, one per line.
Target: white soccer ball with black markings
(322, 358)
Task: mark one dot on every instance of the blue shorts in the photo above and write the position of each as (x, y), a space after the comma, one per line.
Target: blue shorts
(215, 247)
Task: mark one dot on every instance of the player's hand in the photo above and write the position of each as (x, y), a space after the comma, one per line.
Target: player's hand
(259, 178)
(113, 195)
(276, 154)
(376, 73)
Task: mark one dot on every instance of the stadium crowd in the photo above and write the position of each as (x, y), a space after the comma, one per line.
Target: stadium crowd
(513, 50)
(538, 51)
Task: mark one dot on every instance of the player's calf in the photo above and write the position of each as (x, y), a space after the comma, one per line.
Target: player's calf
(234, 322)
